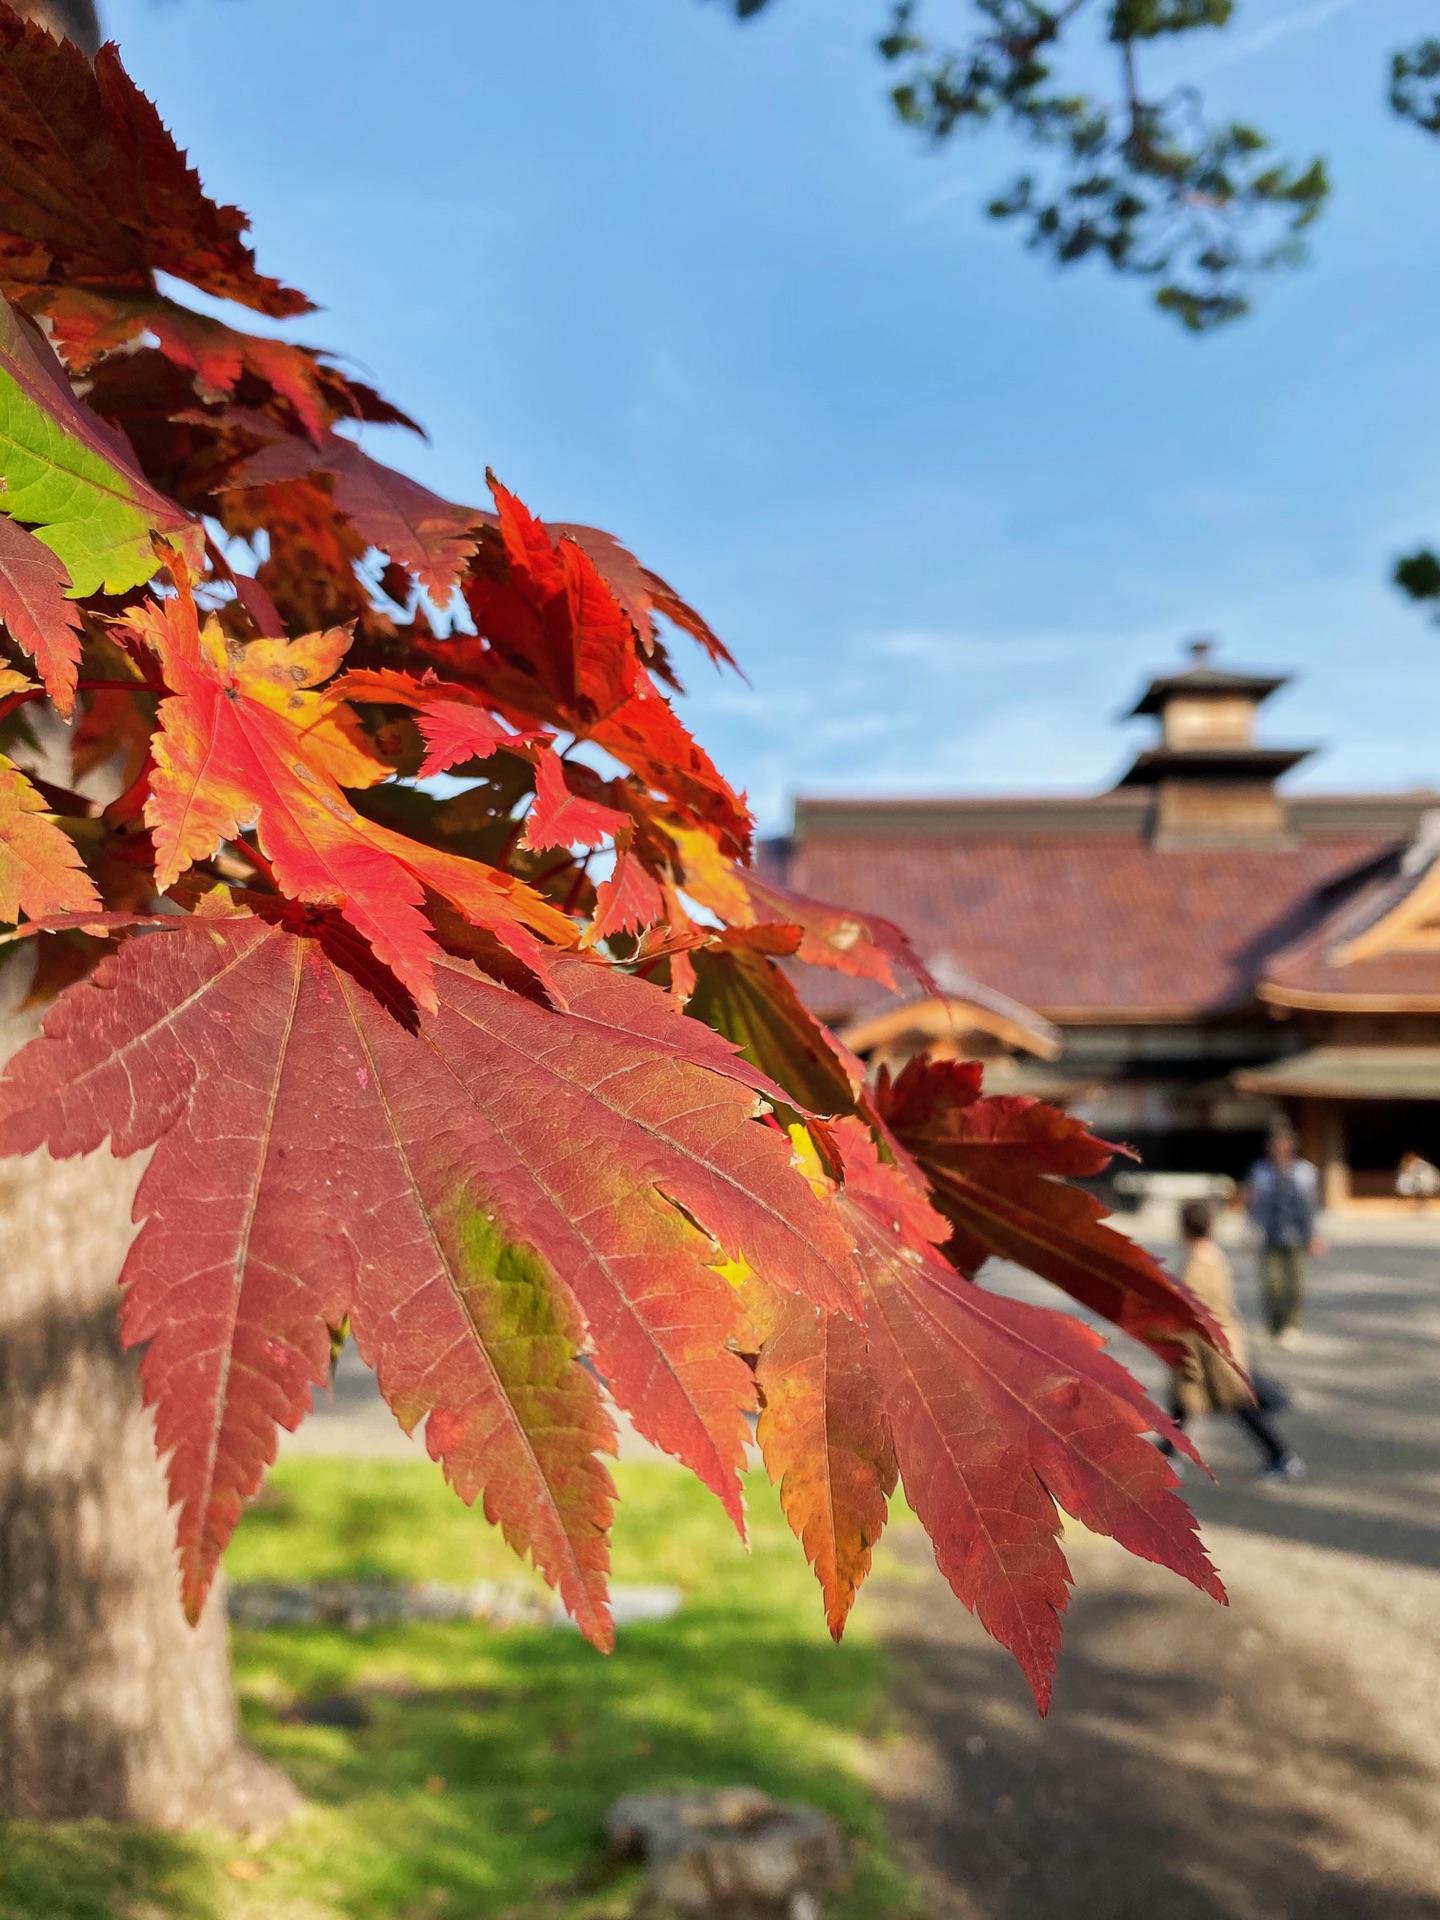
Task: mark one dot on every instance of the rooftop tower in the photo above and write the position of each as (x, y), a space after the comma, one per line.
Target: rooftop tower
(1214, 787)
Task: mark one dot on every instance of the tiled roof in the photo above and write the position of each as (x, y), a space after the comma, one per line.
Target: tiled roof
(1088, 929)
(1307, 974)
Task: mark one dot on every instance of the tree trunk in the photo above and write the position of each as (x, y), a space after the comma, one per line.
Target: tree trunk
(75, 20)
(110, 1704)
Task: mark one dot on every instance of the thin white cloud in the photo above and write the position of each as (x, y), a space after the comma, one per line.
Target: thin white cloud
(1000, 653)
(948, 194)
(1299, 20)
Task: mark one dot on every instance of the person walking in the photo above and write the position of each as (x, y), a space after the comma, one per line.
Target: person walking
(1283, 1198)
(1205, 1382)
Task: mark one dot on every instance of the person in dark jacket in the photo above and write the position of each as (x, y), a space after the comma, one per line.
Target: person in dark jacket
(1283, 1198)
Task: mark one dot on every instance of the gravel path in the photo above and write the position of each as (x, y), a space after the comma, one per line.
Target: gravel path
(1279, 1760)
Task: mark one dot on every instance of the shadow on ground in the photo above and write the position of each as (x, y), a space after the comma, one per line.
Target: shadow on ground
(1194, 1767)
(1276, 1760)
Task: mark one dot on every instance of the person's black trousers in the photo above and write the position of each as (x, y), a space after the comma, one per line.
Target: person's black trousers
(1255, 1423)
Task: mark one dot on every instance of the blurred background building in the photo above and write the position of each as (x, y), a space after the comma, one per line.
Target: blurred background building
(1179, 959)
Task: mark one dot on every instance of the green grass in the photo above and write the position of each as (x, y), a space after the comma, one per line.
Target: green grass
(477, 1788)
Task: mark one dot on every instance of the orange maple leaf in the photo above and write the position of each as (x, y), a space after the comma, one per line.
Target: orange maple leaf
(243, 742)
(40, 871)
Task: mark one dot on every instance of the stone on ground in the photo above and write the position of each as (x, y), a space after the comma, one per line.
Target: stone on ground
(731, 1854)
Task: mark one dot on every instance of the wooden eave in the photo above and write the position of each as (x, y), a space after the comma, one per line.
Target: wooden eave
(1205, 683)
(1348, 1073)
(1144, 1016)
(1260, 766)
(939, 1019)
(1332, 1000)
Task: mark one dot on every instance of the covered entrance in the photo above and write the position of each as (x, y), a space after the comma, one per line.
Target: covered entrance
(1359, 1111)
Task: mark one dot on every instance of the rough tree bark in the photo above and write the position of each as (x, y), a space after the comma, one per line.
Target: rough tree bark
(110, 1704)
(75, 20)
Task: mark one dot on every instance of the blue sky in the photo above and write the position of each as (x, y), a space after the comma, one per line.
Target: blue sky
(691, 282)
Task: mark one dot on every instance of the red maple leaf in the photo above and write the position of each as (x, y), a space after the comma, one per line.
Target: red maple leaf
(640, 592)
(86, 326)
(996, 1411)
(990, 1164)
(862, 945)
(556, 645)
(95, 193)
(454, 721)
(562, 818)
(549, 616)
(630, 898)
(388, 1094)
(424, 533)
(481, 1199)
(826, 1441)
(36, 612)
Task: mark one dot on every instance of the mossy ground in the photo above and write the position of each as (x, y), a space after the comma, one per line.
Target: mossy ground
(476, 1785)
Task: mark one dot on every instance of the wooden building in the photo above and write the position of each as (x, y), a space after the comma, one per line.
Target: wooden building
(1202, 951)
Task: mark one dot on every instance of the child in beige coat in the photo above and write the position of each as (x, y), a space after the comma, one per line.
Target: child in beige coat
(1206, 1383)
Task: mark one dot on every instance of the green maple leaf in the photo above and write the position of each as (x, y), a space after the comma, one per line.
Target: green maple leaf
(71, 478)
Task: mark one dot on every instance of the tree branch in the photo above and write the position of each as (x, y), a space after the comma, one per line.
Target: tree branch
(75, 20)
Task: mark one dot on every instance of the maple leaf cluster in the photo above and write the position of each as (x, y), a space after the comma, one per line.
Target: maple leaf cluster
(501, 1072)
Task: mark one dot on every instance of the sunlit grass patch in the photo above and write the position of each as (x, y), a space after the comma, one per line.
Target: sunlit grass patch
(471, 1768)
